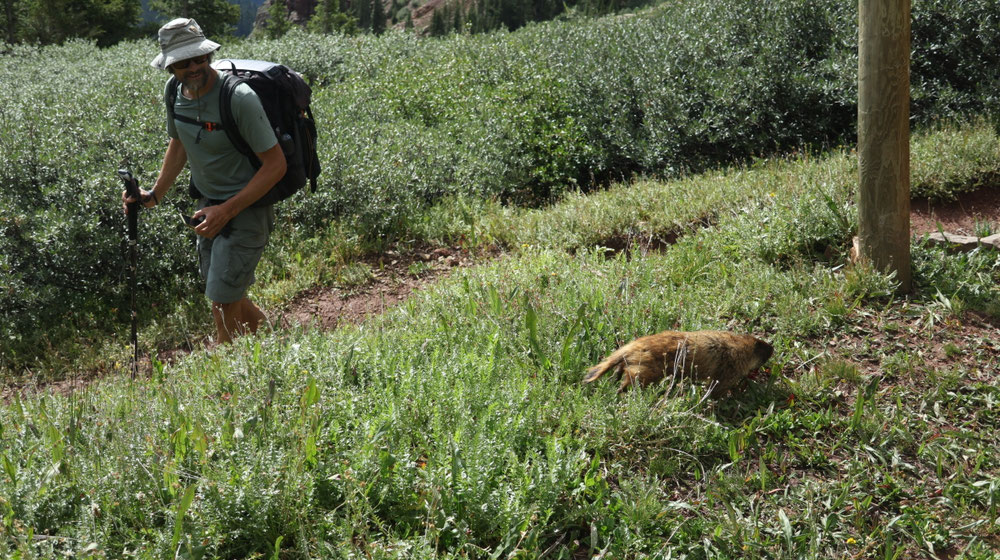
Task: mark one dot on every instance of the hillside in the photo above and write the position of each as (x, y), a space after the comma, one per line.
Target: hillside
(454, 423)
(496, 214)
(411, 125)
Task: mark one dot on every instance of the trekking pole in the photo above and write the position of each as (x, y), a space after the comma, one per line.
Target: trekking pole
(132, 189)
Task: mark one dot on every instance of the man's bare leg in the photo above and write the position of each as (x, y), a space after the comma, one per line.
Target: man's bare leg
(252, 315)
(237, 318)
(227, 320)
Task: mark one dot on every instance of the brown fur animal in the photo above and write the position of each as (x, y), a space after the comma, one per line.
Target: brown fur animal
(718, 357)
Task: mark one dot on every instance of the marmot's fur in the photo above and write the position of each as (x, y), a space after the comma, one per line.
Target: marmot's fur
(718, 357)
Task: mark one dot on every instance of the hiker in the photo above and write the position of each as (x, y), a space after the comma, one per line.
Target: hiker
(232, 234)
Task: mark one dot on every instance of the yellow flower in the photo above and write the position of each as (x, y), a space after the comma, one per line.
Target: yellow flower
(851, 540)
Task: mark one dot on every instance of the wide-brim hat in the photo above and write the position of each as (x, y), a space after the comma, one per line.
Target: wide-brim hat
(181, 39)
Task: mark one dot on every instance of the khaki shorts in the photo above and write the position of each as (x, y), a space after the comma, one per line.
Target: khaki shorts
(227, 262)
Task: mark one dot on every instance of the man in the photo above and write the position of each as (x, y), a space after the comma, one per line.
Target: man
(232, 235)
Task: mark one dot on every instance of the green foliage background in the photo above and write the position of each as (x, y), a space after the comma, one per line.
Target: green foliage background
(521, 118)
(55, 21)
(217, 18)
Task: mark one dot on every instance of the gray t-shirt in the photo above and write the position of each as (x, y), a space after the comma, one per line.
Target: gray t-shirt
(217, 168)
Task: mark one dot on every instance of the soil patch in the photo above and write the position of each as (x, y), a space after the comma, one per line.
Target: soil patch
(394, 276)
(968, 214)
(904, 345)
(652, 242)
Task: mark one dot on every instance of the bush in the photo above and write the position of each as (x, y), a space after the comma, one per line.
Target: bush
(62, 230)
(516, 117)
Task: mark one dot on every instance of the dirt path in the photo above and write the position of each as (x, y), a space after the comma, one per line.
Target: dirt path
(393, 278)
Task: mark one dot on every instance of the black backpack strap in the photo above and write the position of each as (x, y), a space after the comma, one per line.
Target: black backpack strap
(170, 96)
(312, 170)
(207, 125)
(229, 83)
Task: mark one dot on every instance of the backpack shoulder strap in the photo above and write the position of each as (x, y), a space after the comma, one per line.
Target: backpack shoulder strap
(229, 83)
(170, 96)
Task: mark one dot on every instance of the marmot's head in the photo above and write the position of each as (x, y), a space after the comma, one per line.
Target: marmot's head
(762, 352)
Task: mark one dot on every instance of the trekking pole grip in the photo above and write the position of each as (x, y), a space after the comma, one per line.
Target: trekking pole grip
(132, 189)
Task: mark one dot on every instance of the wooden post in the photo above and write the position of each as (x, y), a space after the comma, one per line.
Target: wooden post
(884, 136)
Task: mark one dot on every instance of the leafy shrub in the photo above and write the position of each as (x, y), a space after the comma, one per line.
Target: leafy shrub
(971, 161)
(62, 231)
(519, 117)
(972, 277)
(956, 47)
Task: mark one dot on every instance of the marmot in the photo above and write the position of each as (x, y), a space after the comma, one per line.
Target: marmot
(718, 357)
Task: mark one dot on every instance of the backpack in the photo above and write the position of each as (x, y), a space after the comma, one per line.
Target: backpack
(285, 97)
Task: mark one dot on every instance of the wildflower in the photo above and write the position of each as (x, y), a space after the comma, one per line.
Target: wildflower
(851, 540)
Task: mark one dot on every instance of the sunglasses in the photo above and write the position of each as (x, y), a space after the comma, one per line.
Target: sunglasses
(185, 63)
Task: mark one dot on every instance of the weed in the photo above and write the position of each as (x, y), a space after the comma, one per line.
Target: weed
(983, 228)
(354, 274)
(942, 308)
(901, 364)
(842, 371)
(418, 268)
(891, 327)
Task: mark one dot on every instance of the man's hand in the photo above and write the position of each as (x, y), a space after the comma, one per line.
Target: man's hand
(216, 218)
(147, 198)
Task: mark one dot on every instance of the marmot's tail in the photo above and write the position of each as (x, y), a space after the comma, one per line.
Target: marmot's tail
(612, 361)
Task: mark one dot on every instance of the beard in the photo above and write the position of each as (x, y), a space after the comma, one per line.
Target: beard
(197, 82)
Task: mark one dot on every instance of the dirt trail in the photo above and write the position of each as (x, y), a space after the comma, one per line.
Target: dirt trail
(393, 278)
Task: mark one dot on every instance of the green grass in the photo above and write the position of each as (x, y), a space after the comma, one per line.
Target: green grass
(815, 192)
(969, 162)
(455, 425)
